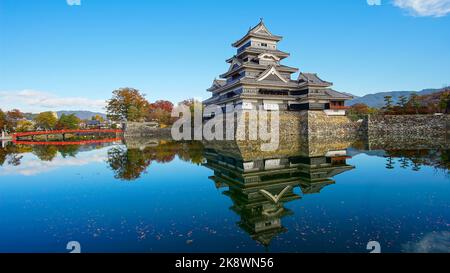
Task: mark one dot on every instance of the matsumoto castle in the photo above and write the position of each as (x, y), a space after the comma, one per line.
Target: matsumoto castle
(257, 78)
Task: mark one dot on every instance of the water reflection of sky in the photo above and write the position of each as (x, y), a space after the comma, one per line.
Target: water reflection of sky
(175, 207)
(31, 165)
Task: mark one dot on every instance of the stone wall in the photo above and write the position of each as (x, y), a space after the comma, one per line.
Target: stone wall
(411, 131)
(433, 125)
(322, 126)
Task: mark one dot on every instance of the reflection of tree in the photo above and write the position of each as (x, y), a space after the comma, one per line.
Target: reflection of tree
(128, 164)
(415, 159)
(45, 153)
(3, 154)
(14, 159)
(404, 163)
(68, 150)
(11, 154)
(192, 152)
(389, 163)
(416, 166)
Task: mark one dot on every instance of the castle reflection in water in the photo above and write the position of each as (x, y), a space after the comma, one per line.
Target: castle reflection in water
(260, 186)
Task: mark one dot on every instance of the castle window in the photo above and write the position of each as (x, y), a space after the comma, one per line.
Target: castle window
(299, 93)
(264, 44)
(236, 76)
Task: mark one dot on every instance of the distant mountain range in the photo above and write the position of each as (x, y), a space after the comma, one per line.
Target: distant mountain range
(377, 100)
(81, 114)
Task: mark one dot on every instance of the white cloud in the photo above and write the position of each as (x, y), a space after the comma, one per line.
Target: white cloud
(37, 101)
(434, 8)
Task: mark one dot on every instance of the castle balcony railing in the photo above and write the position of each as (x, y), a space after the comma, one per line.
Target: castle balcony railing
(339, 107)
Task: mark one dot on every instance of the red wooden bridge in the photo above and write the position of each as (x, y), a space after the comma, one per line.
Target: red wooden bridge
(16, 137)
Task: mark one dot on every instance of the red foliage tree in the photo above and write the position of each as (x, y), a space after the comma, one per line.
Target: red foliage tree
(163, 105)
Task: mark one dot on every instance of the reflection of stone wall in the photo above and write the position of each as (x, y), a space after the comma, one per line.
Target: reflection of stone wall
(408, 131)
(145, 129)
(141, 142)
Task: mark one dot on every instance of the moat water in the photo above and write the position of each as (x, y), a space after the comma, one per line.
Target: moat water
(190, 197)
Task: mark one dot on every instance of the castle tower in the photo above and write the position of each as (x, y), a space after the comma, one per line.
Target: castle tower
(257, 78)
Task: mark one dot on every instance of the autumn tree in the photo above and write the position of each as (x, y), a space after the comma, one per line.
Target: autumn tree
(127, 104)
(24, 126)
(12, 118)
(360, 110)
(15, 114)
(162, 104)
(161, 111)
(68, 122)
(190, 103)
(2, 120)
(98, 117)
(46, 120)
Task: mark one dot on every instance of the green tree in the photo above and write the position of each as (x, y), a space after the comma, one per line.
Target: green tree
(46, 120)
(68, 122)
(127, 104)
(388, 102)
(402, 101)
(444, 102)
(414, 101)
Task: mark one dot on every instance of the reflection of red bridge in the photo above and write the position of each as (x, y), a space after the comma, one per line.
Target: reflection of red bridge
(63, 143)
(16, 137)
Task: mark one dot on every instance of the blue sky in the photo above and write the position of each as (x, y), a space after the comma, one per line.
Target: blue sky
(57, 56)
